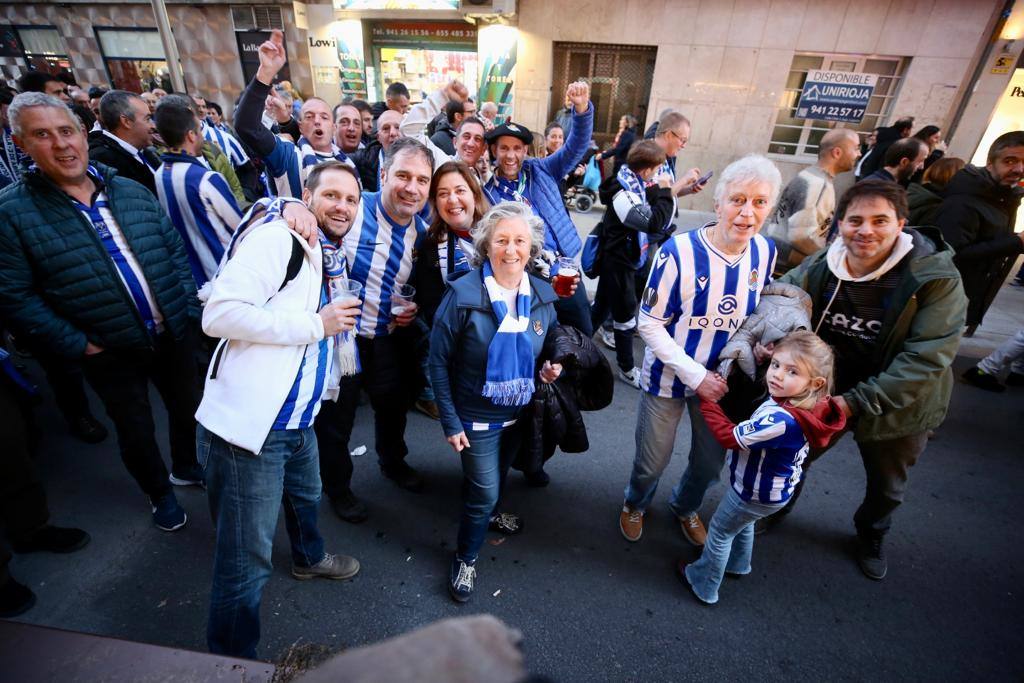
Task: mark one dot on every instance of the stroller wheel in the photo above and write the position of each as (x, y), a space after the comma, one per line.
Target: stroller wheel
(583, 203)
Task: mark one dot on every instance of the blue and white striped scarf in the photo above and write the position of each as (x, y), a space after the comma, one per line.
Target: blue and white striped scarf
(310, 157)
(346, 356)
(634, 188)
(510, 362)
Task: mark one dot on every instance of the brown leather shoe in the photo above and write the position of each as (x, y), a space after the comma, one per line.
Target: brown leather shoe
(631, 524)
(693, 529)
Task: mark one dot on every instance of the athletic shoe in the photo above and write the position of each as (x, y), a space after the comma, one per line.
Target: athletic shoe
(505, 523)
(167, 514)
(693, 529)
(460, 580)
(631, 524)
(981, 379)
(631, 378)
(336, 567)
(871, 558)
(193, 476)
(607, 338)
(51, 539)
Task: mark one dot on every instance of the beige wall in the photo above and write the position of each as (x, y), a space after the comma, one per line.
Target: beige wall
(724, 63)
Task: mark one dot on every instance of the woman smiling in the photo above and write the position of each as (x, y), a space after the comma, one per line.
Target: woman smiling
(488, 333)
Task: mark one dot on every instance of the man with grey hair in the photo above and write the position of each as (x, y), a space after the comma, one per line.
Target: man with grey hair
(803, 216)
(488, 112)
(125, 143)
(92, 271)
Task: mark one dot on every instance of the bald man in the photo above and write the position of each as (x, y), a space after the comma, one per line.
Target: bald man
(801, 220)
(370, 159)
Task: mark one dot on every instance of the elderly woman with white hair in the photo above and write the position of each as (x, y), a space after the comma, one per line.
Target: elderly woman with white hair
(488, 332)
(703, 284)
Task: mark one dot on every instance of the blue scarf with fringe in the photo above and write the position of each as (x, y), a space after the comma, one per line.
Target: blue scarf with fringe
(510, 363)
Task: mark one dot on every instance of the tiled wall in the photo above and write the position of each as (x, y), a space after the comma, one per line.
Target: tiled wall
(203, 32)
(724, 62)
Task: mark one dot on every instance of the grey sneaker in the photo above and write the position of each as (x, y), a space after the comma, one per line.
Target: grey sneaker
(871, 558)
(331, 567)
(607, 338)
(631, 378)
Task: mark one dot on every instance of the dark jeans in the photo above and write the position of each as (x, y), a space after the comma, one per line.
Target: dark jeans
(22, 499)
(616, 294)
(121, 379)
(390, 375)
(484, 467)
(246, 491)
(887, 467)
(575, 311)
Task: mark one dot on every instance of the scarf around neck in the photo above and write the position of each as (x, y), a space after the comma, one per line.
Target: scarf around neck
(311, 157)
(510, 362)
(634, 188)
(511, 190)
(346, 356)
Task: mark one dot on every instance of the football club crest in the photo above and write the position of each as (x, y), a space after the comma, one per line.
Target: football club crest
(538, 328)
(752, 280)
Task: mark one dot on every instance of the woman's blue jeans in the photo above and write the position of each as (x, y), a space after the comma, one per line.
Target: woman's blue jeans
(729, 545)
(246, 492)
(484, 466)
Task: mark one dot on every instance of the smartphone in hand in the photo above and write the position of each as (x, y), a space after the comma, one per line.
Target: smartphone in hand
(704, 178)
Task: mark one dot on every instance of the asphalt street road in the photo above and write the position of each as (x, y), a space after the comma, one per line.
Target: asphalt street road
(590, 605)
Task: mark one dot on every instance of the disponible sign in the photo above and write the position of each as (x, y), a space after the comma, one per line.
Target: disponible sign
(835, 96)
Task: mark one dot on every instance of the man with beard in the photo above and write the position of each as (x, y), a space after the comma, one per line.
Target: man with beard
(288, 163)
(270, 303)
(903, 159)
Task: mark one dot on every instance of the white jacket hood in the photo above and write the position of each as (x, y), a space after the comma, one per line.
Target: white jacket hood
(836, 258)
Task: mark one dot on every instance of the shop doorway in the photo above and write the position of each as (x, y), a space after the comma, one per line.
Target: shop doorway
(423, 55)
(620, 82)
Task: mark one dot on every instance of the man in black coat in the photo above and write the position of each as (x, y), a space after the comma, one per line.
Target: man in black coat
(125, 143)
(977, 218)
(368, 159)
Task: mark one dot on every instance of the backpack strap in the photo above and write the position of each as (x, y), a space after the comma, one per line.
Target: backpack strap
(294, 263)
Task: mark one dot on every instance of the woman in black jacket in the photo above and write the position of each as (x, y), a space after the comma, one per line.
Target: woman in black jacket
(637, 204)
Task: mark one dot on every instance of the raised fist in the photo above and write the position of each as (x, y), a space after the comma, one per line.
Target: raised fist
(456, 91)
(578, 94)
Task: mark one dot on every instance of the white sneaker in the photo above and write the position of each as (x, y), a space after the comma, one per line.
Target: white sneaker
(632, 377)
(607, 338)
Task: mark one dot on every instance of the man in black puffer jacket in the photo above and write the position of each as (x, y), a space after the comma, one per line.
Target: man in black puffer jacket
(92, 269)
(977, 218)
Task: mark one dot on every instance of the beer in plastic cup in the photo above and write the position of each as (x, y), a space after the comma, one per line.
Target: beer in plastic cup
(566, 272)
(401, 300)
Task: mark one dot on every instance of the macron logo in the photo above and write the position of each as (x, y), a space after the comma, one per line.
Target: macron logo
(702, 281)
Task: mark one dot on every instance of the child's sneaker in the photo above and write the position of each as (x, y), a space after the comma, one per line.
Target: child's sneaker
(981, 379)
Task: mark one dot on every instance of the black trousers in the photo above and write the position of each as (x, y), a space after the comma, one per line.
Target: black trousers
(22, 499)
(616, 294)
(121, 379)
(391, 378)
(65, 379)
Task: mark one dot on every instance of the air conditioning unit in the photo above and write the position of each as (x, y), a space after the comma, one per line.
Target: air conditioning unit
(483, 8)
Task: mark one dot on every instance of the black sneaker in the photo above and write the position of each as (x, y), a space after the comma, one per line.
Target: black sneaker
(52, 539)
(871, 558)
(460, 580)
(405, 476)
(981, 379)
(15, 599)
(505, 523)
(193, 476)
(1016, 379)
(167, 514)
(349, 508)
(87, 429)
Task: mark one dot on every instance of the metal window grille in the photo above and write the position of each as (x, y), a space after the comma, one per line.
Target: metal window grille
(798, 137)
(256, 18)
(620, 81)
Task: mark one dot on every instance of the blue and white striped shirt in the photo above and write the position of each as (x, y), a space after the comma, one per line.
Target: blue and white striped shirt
(290, 162)
(701, 296)
(773, 447)
(200, 204)
(227, 143)
(380, 256)
(303, 401)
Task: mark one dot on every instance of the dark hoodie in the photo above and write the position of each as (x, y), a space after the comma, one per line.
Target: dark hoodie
(875, 158)
(977, 218)
(620, 242)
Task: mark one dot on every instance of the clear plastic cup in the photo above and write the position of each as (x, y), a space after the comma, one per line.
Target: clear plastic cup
(346, 292)
(401, 299)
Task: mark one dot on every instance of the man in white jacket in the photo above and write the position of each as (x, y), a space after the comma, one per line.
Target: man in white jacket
(269, 305)
(470, 146)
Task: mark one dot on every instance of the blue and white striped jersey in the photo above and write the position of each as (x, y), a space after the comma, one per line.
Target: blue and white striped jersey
(380, 255)
(303, 401)
(227, 143)
(701, 297)
(290, 162)
(200, 204)
(773, 449)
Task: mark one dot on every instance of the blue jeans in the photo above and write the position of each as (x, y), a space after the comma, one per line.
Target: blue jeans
(656, 423)
(484, 466)
(729, 545)
(246, 492)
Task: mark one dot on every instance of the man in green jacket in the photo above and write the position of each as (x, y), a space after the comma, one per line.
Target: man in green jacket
(890, 302)
(92, 269)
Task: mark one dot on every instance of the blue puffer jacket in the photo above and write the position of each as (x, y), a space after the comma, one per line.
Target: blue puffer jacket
(542, 177)
(60, 289)
(463, 328)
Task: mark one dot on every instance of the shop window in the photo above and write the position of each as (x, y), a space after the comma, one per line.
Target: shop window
(620, 81)
(256, 18)
(424, 55)
(44, 50)
(134, 59)
(793, 136)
